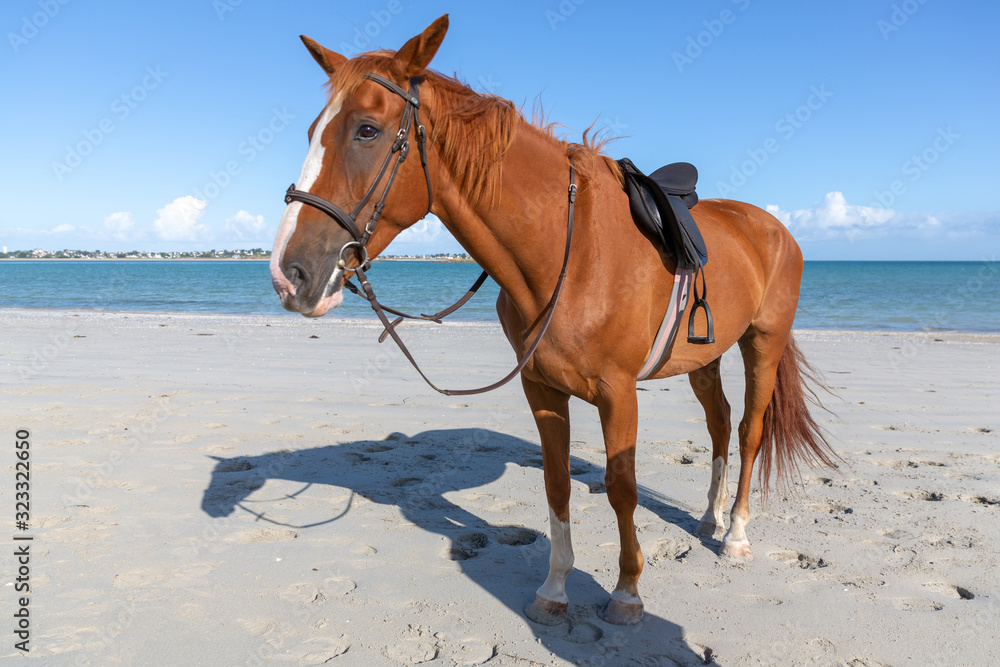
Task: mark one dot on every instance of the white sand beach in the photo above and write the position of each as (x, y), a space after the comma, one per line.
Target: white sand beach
(223, 490)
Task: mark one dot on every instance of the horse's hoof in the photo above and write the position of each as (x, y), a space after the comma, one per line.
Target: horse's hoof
(710, 531)
(546, 611)
(736, 550)
(621, 613)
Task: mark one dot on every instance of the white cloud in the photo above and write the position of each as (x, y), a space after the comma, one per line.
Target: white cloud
(428, 230)
(120, 225)
(835, 229)
(178, 220)
(62, 229)
(244, 226)
(833, 217)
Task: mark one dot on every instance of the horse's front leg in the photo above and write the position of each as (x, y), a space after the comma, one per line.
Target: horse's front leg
(551, 411)
(619, 412)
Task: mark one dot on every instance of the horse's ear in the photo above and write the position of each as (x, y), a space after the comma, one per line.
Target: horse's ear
(417, 53)
(326, 58)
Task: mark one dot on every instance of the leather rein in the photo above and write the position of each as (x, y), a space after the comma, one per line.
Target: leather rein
(411, 118)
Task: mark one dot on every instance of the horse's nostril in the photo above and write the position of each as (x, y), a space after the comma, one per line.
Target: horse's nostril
(297, 276)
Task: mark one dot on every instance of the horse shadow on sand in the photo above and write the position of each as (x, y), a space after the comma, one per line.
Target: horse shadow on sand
(414, 473)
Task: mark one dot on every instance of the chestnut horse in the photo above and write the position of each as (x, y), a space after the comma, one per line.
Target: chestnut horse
(499, 185)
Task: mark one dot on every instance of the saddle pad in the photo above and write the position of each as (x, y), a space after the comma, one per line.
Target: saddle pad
(659, 205)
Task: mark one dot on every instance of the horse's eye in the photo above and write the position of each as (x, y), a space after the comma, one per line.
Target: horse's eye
(367, 133)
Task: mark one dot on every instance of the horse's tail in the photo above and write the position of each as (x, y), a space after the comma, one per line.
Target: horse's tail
(790, 435)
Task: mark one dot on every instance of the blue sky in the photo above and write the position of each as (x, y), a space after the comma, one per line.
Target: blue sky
(869, 127)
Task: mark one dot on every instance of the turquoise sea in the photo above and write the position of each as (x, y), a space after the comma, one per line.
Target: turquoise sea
(901, 296)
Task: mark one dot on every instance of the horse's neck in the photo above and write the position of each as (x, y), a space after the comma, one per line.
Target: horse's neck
(520, 241)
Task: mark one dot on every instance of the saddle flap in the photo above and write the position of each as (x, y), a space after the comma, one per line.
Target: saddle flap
(660, 206)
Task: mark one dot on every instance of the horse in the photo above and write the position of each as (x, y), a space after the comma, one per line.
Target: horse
(501, 186)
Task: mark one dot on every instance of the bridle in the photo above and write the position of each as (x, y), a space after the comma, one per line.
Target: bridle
(411, 119)
(411, 115)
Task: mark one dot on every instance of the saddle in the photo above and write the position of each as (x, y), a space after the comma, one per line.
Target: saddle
(660, 204)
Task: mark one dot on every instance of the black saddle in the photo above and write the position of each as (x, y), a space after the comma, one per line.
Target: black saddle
(660, 204)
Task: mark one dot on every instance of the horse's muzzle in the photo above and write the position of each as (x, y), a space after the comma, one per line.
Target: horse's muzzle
(303, 291)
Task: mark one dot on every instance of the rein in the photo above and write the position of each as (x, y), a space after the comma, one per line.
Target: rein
(411, 115)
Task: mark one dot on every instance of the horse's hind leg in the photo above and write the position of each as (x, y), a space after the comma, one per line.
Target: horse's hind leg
(761, 355)
(707, 385)
(619, 412)
(551, 412)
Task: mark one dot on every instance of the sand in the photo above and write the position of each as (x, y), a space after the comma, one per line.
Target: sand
(215, 490)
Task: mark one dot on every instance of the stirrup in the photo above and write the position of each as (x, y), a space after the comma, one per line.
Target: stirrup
(701, 340)
(701, 302)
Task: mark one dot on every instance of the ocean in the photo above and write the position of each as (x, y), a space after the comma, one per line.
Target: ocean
(894, 296)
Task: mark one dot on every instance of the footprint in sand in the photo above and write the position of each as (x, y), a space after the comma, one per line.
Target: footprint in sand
(412, 652)
(234, 465)
(308, 593)
(575, 632)
(667, 549)
(915, 604)
(896, 534)
(862, 583)
(466, 546)
(416, 646)
(796, 559)
(981, 500)
(515, 536)
(920, 494)
(320, 650)
(376, 448)
(830, 508)
(469, 652)
(955, 592)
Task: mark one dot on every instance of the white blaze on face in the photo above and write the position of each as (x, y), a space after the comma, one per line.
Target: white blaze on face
(310, 172)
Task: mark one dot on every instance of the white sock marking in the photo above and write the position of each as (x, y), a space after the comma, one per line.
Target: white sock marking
(560, 560)
(718, 493)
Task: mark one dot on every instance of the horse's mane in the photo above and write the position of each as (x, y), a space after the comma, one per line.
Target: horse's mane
(473, 131)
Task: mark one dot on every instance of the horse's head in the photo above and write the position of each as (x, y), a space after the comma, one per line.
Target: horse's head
(354, 150)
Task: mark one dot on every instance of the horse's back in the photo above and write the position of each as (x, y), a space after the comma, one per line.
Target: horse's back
(766, 250)
(761, 234)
